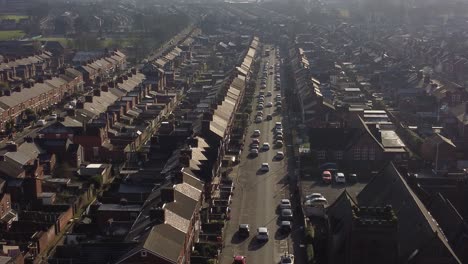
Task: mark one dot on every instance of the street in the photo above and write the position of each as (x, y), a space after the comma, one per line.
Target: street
(258, 194)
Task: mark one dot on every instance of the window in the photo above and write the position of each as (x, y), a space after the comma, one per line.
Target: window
(356, 153)
(339, 155)
(144, 253)
(372, 154)
(321, 154)
(364, 154)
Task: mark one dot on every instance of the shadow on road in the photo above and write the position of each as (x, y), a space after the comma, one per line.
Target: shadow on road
(280, 235)
(255, 244)
(237, 239)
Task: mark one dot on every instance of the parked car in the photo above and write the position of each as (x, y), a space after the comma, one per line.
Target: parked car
(285, 204)
(279, 137)
(269, 117)
(279, 155)
(286, 214)
(269, 93)
(244, 230)
(262, 234)
(321, 201)
(287, 259)
(352, 177)
(313, 196)
(256, 133)
(340, 178)
(326, 177)
(269, 104)
(266, 146)
(278, 125)
(279, 143)
(260, 107)
(255, 141)
(41, 123)
(265, 167)
(239, 260)
(258, 119)
(253, 152)
(285, 226)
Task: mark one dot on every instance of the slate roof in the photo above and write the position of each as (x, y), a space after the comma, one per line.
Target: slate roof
(417, 229)
(334, 138)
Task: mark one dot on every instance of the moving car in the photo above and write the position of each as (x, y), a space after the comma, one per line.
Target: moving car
(239, 260)
(269, 104)
(326, 177)
(285, 204)
(265, 167)
(340, 178)
(262, 234)
(287, 259)
(244, 230)
(286, 215)
(269, 117)
(256, 133)
(279, 155)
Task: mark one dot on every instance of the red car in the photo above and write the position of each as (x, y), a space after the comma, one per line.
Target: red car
(239, 260)
(326, 177)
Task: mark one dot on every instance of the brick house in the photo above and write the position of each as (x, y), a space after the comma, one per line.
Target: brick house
(440, 149)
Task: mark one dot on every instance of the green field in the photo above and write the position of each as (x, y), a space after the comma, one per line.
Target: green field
(11, 34)
(15, 17)
(59, 39)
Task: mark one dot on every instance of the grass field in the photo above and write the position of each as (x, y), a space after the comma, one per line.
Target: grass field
(11, 34)
(15, 17)
(59, 39)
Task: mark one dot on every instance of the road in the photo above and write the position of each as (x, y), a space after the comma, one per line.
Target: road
(257, 195)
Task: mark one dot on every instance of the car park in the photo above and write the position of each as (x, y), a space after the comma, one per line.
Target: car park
(244, 230)
(266, 146)
(279, 155)
(326, 177)
(262, 234)
(340, 178)
(265, 167)
(286, 215)
(285, 204)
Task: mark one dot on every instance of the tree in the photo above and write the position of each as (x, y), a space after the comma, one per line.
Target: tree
(10, 126)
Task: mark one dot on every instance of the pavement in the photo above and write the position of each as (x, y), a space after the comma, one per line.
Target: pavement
(257, 195)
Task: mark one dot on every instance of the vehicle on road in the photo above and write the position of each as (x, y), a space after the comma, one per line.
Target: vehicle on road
(313, 196)
(255, 146)
(41, 123)
(244, 230)
(279, 143)
(316, 202)
(279, 155)
(265, 167)
(269, 104)
(340, 178)
(285, 204)
(278, 103)
(269, 93)
(256, 133)
(278, 125)
(286, 215)
(253, 152)
(352, 177)
(258, 119)
(278, 131)
(285, 226)
(266, 146)
(279, 108)
(326, 177)
(269, 117)
(287, 259)
(255, 141)
(260, 107)
(239, 260)
(279, 137)
(263, 86)
(259, 113)
(262, 234)
(52, 117)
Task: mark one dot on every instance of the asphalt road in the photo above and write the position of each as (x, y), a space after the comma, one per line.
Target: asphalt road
(257, 195)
